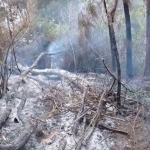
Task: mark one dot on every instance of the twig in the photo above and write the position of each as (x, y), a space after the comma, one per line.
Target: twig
(115, 77)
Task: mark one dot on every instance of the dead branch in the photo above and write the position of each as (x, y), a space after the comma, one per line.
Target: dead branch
(113, 10)
(113, 129)
(79, 144)
(113, 76)
(75, 128)
(24, 74)
(35, 63)
(95, 118)
(110, 14)
(115, 118)
(81, 116)
(20, 108)
(4, 116)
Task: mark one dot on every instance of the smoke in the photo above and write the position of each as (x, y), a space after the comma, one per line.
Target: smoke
(67, 42)
(60, 46)
(63, 14)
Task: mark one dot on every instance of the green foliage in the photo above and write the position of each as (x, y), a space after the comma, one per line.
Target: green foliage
(53, 30)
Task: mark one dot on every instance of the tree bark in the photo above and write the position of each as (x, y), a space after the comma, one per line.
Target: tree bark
(129, 65)
(113, 60)
(118, 67)
(147, 60)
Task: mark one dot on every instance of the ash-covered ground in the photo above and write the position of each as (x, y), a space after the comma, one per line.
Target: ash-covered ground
(55, 101)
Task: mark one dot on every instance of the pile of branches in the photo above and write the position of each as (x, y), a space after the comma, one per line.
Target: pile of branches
(92, 106)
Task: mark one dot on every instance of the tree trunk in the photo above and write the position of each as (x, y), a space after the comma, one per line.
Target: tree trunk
(113, 60)
(129, 65)
(110, 17)
(147, 60)
(112, 44)
(118, 65)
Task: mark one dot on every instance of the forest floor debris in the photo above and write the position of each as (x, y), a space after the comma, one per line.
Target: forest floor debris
(72, 119)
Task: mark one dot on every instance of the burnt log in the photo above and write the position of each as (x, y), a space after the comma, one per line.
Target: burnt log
(22, 140)
(4, 116)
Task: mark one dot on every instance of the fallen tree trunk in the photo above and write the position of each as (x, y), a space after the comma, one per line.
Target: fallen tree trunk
(4, 116)
(22, 140)
(27, 71)
(113, 129)
(77, 80)
(5, 147)
(35, 63)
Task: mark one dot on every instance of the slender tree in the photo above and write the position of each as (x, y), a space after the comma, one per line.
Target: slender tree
(110, 17)
(113, 45)
(129, 65)
(147, 60)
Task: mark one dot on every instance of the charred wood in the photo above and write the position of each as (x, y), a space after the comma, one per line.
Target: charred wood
(4, 116)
